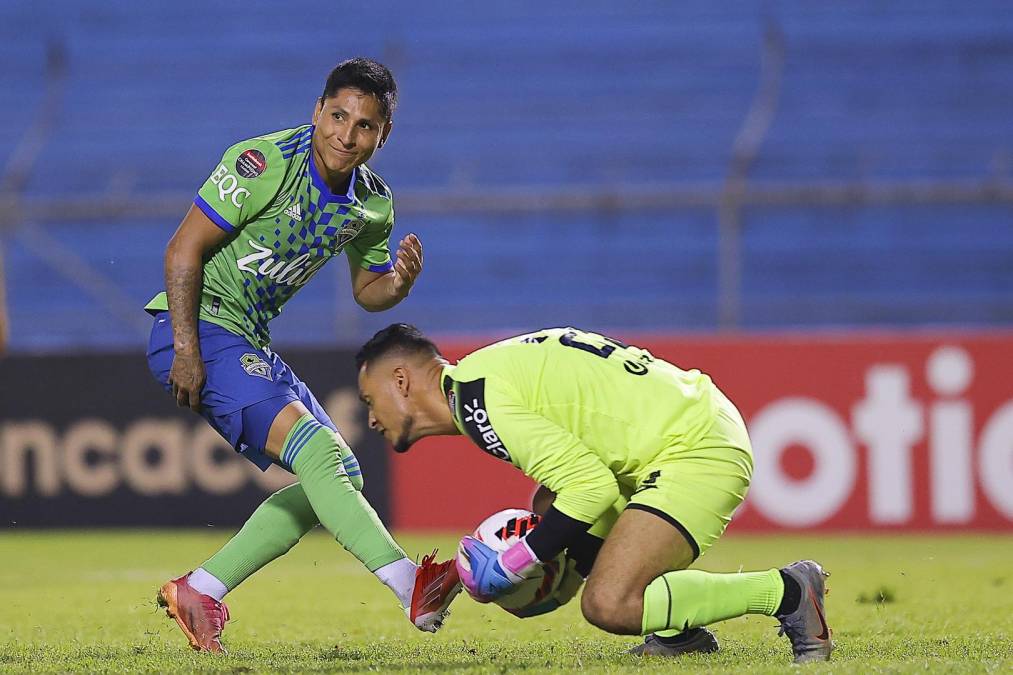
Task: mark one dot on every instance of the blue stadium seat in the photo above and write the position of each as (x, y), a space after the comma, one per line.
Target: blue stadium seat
(598, 94)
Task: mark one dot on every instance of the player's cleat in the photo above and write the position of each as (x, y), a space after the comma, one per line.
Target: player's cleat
(807, 627)
(200, 617)
(692, 641)
(436, 586)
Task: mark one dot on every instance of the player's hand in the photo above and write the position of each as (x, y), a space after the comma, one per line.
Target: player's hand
(569, 584)
(407, 264)
(187, 377)
(486, 580)
(493, 574)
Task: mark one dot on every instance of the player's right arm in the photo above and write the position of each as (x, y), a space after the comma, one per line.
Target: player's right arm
(242, 185)
(195, 238)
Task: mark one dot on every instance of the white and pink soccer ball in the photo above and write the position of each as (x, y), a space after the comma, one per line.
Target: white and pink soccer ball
(500, 531)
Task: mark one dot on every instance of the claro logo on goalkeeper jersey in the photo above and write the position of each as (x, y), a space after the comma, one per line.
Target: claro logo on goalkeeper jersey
(476, 419)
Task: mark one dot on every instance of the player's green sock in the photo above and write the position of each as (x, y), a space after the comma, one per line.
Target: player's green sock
(690, 598)
(275, 527)
(314, 452)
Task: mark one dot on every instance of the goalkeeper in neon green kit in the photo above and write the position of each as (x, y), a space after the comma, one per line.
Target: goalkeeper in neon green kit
(645, 462)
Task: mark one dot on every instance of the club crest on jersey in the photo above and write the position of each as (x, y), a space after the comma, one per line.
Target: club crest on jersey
(251, 164)
(350, 231)
(256, 366)
(476, 422)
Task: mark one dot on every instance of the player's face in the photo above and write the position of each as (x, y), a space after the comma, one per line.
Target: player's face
(389, 412)
(349, 128)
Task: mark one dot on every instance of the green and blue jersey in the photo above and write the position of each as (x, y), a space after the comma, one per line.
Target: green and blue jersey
(283, 224)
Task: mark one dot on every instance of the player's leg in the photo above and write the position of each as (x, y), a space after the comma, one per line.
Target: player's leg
(282, 520)
(680, 510)
(584, 553)
(279, 523)
(399, 575)
(654, 591)
(246, 389)
(314, 451)
(676, 642)
(240, 379)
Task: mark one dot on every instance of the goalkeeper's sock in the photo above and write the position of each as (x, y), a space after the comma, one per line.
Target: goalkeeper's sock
(792, 596)
(675, 638)
(274, 528)
(314, 453)
(691, 598)
(670, 637)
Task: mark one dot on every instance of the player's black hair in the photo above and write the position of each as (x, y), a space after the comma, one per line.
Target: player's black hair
(400, 337)
(366, 75)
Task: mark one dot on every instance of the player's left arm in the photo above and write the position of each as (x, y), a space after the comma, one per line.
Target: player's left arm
(376, 290)
(378, 281)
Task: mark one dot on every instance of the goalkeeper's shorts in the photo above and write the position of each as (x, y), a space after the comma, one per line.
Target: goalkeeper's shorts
(696, 489)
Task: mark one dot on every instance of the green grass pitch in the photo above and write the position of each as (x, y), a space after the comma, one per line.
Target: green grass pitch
(84, 601)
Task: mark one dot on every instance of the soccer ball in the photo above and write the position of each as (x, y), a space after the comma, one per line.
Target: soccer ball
(502, 530)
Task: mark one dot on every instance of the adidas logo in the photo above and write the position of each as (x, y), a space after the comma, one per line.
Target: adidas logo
(294, 212)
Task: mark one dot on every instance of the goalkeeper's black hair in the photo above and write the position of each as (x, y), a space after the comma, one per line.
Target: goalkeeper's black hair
(365, 75)
(397, 337)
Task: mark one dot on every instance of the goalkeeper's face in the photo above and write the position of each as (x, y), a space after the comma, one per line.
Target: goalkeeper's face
(385, 391)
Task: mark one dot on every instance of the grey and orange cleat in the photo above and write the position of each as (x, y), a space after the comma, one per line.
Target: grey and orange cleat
(807, 627)
(199, 616)
(692, 641)
(436, 586)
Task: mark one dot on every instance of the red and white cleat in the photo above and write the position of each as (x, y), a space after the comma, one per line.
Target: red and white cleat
(200, 617)
(436, 586)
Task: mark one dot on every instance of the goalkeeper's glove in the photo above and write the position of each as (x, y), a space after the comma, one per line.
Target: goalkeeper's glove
(493, 575)
(565, 592)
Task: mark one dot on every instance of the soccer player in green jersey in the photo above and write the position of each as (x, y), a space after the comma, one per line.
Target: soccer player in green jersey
(272, 212)
(637, 452)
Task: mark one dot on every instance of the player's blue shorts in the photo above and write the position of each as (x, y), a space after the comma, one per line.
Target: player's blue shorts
(246, 387)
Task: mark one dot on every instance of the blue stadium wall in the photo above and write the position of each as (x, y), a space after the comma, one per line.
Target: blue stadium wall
(596, 96)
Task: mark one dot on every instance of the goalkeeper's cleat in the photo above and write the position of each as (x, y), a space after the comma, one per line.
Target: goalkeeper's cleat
(199, 616)
(436, 586)
(807, 627)
(692, 641)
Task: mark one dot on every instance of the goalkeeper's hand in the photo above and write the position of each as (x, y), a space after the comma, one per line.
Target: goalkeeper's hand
(493, 575)
(565, 592)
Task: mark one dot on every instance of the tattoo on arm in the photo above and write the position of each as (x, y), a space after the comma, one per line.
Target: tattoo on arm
(183, 281)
